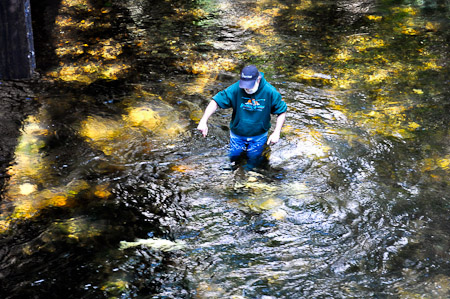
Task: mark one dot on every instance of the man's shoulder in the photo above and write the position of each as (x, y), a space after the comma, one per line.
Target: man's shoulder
(269, 88)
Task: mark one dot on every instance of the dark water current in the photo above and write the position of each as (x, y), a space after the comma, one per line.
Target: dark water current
(110, 192)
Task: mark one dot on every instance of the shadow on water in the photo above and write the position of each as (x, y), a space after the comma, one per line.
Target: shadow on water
(67, 206)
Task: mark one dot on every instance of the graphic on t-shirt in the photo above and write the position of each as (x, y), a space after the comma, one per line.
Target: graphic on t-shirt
(253, 104)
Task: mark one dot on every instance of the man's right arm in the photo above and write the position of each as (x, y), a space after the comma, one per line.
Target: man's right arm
(203, 124)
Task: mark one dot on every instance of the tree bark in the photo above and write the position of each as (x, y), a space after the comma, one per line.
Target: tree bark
(17, 59)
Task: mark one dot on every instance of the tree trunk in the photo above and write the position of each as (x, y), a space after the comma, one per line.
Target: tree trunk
(16, 40)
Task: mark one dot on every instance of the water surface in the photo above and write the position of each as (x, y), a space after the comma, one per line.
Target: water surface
(353, 204)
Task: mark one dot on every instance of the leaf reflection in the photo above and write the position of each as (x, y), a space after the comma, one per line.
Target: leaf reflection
(95, 58)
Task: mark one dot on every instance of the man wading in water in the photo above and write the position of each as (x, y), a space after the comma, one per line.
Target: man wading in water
(253, 101)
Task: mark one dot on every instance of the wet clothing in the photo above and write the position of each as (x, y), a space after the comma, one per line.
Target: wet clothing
(252, 146)
(251, 112)
(250, 121)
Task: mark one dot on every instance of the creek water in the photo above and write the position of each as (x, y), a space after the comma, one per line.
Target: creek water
(113, 193)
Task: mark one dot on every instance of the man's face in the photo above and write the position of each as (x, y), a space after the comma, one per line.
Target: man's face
(254, 88)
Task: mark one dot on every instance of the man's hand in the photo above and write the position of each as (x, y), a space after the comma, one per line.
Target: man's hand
(203, 124)
(273, 138)
(203, 127)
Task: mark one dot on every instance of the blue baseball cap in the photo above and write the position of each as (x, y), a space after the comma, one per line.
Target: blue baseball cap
(249, 74)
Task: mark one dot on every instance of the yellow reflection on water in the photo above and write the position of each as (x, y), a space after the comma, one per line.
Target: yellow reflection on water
(198, 85)
(27, 189)
(80, 4)
(435, 163)
(30, 162)
(78, 228)
(146, 119)
(33, 185)
(374, 18)
(90, 72)
(74, 49)
(143, 116)
(115, 287)
(107, 49)
(254, 22)
(85, 60)
(263, 204)
(32, 205)
(206, 71)
(181, 14)
(386, 117)
(305, 74)
(164, 123)
(29, 170)
(182, 168)
(107, 135)
(102, 191)
(98, 128)
(279, 214)
(309, 142)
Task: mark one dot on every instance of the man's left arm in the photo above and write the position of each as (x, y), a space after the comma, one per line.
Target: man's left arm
(275, 136)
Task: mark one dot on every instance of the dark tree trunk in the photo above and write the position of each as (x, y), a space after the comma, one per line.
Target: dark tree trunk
(16, 40)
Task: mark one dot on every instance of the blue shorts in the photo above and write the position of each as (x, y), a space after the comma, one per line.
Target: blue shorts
(253, 147)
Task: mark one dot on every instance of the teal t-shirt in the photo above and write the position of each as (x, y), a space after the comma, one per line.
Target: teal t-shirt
(251, 112)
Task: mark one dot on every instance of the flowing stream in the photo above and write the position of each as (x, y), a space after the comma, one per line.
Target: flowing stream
(112, 193)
